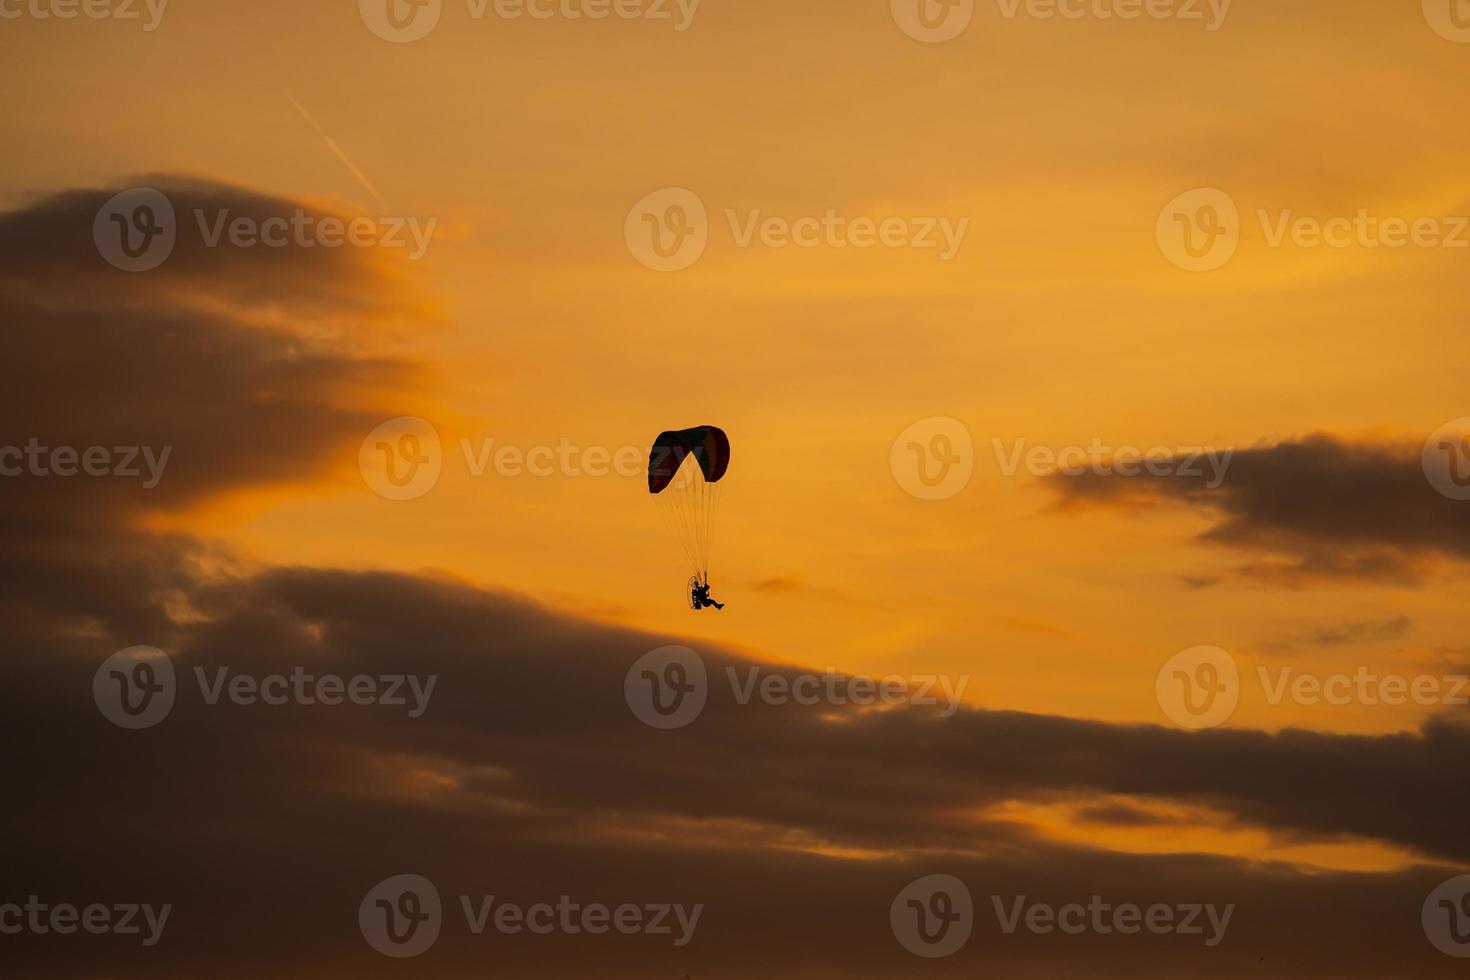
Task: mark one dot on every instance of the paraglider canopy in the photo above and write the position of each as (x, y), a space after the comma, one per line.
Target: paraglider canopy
(709, 446)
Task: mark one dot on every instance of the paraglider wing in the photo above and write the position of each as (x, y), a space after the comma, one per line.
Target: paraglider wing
(709, 444)
(690, 494)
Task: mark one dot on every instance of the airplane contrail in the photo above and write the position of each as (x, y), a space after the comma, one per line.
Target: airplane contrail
(337, 150)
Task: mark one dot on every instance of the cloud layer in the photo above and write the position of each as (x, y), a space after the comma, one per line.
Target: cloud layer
(1319, 506)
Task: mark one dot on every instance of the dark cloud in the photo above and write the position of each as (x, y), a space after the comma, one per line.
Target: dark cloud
(48, 256)
(1370, 631)
(1315, 507)
(529, 778)
(209, 375)
(1120, 815)
(777, 585)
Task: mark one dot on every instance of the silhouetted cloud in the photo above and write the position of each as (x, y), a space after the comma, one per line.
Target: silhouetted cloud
(1318, 506)
(1371, 631)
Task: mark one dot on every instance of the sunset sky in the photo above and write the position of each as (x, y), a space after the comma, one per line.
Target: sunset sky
(1058, 152)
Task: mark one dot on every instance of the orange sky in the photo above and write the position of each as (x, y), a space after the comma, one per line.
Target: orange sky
(1059, 321)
